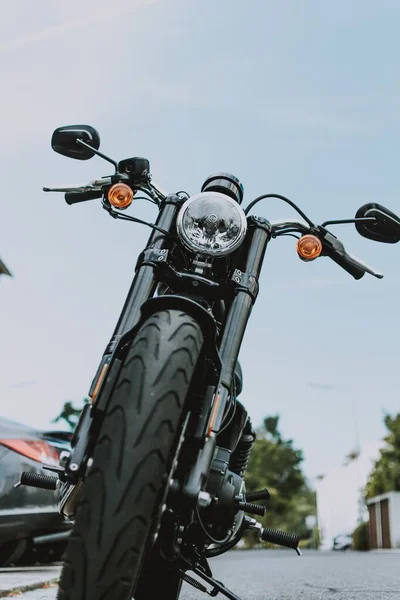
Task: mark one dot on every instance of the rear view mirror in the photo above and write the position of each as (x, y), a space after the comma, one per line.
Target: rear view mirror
(64, 141)
(386, 227)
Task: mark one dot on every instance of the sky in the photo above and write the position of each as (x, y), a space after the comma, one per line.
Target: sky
(295, 98)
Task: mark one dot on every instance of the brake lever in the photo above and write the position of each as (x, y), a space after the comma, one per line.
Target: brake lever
(366, 268)
(337, 246)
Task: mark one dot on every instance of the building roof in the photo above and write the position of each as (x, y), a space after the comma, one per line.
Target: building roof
(3, 269)
(385, 496)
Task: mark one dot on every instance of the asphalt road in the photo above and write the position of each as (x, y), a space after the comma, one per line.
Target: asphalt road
(281, 575)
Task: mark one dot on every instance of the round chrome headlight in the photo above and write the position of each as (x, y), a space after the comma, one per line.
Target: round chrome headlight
(211, 223)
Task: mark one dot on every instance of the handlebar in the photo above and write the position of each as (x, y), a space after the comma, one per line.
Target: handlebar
(93, 191)
(83, 196)
(332, 247)
(348, 263)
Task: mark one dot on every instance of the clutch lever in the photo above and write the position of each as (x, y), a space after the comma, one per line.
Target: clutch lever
(91, 186)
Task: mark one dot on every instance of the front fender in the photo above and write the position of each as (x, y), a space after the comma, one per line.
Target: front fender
(203, 317)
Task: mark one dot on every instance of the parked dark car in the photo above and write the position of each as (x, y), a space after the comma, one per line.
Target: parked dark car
(29, 518)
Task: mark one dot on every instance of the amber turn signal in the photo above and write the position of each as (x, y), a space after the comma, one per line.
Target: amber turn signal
(120, 195)
(309, 247)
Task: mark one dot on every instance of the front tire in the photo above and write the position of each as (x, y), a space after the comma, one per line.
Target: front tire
(136, 448)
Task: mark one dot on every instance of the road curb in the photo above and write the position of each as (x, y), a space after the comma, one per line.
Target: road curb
(22, 589)
(17, 580)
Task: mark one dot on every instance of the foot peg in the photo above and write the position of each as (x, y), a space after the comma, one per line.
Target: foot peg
(280, 538)
(261, 495)
(45, 482)
(273, 536)
(253, 509)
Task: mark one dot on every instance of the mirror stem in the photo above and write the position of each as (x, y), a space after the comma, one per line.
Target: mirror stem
(343, 221)
(107, 158)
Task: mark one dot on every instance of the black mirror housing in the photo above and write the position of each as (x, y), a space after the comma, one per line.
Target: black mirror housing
(64, 141)
(386, 228)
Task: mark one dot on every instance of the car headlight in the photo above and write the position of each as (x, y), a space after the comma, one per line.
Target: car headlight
(211, 223)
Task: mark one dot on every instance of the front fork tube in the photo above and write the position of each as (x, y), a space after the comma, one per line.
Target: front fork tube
(245, 292)
(142, 288)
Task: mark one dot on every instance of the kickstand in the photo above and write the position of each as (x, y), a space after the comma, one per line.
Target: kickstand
(217, 586)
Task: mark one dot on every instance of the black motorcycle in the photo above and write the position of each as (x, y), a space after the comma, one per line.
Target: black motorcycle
(155, 481)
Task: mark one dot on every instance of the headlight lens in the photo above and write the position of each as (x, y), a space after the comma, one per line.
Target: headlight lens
(211, 223)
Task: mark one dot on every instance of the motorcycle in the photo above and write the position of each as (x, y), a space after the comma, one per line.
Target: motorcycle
(155, 480)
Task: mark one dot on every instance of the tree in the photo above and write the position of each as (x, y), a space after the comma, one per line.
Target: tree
(351, 457)
(70, 414)
(361, 537)
(386, 474)
(275, 464)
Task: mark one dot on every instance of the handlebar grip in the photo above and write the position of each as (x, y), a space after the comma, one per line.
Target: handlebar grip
(75, 197)
(337, 252)
(348, 263)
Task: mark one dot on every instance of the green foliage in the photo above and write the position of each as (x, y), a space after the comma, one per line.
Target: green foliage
(386, 475)
(276, 464)
(70, 414)
(316, 538)
(352, 456)
(361, 537)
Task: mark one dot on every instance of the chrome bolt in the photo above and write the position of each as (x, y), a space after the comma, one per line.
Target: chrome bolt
(204, 499)
(73, 467)
(64, 456)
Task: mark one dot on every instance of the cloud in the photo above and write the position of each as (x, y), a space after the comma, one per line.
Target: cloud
(89, 19)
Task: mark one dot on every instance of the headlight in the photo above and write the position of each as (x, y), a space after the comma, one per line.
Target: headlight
(211, 223)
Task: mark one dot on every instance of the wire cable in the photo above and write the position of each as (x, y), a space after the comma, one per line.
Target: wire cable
(183, 192)
(214, 541)
(150, 198)
(116, 215)
(211, 553)
(290, 235)
(234, 406)
(284, 199)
